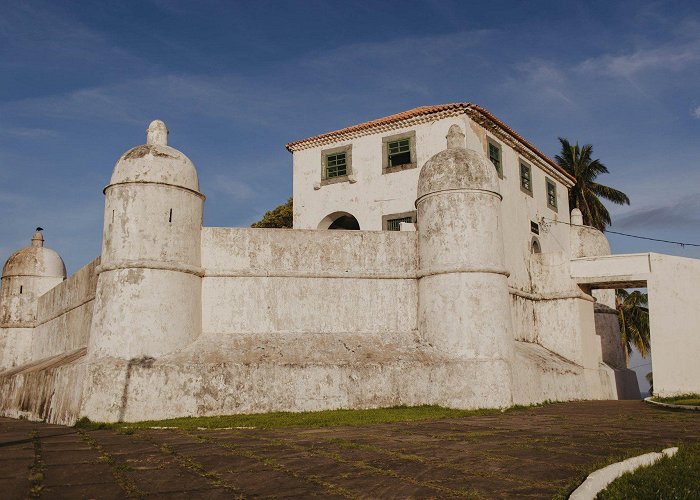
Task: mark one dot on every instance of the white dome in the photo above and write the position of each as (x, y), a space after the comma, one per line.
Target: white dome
(35, 260)
(457, 168)
(156, 162)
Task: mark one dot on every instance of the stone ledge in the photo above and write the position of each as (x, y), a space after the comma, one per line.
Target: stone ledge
(599, 480)
(672, 406)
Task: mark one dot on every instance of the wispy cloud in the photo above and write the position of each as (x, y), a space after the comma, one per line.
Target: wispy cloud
(44, 31)
(134, 101)
(239, 190)
(541, 80)
(672, 57)
(683, 214)
(696, 112)
(30, 133)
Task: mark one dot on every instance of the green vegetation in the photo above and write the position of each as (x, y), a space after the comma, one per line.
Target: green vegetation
(584, 471)
(327, 418)
(633, 315)
(586, 193)
(36, 471)
(683, 399)
(279, 217)
(670, 478)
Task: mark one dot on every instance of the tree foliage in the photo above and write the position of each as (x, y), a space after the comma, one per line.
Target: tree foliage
(633, 315)
(586, 193)
(281, 216)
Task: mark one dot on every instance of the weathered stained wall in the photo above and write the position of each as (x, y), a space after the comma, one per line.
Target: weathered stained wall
(48, 384)
(277, 282)
(65, 313)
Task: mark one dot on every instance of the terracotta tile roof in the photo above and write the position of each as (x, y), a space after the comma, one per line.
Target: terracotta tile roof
(419, 114)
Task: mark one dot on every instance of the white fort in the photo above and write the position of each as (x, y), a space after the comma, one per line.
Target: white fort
(468, 284)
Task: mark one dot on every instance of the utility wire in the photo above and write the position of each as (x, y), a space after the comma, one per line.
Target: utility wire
(639, 366)
(681, 243)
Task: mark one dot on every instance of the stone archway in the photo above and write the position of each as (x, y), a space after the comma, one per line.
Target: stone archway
(339, 220)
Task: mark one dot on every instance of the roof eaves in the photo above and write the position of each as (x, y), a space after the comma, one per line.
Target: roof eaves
(428, 113)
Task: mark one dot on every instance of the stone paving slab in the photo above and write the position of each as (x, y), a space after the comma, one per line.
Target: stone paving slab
(526, 453)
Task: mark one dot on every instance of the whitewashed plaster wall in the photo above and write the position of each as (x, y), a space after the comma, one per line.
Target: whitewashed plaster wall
(674, 318)
(276, 282)
(64, 314)
(375, 194)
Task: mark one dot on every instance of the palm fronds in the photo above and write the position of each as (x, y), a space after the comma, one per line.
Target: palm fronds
(586, 193)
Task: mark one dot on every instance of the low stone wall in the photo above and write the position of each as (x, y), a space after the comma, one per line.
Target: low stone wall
(49, 385)
(276, 281)
(49, 390)
(65, 314)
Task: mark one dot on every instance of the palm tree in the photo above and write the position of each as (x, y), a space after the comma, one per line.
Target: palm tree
(633, 315)
(586, 192)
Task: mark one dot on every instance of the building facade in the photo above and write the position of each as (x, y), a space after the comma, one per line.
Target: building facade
(472, 309)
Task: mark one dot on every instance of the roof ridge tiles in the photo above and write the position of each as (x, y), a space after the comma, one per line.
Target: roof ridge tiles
(415, 114)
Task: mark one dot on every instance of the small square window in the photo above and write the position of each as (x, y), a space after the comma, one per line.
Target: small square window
(395, 224)
(551, 194)
(495, 156)
(399, 152)
(526, 177)
(336, 165)
(392, 222)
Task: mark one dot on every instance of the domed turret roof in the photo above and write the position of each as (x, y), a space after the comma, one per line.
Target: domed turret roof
(156, 162)
(457, 168)
(35, 260)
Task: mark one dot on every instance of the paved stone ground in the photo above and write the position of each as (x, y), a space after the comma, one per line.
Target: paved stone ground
(532, 452)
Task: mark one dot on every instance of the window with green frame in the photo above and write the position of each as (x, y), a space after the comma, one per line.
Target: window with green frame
(495, 156)
(395, 224)
(551, 194)
(336, 165)
(399, 152)
(526, 177)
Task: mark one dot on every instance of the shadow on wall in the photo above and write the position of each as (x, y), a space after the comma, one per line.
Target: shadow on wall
(339, 220)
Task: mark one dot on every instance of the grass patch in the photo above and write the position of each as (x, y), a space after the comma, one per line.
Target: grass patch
(675, 477)
(326, 418)
(583, 471)
(683, 399)
(36, 471)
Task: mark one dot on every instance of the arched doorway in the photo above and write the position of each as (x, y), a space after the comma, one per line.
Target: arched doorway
(339, 220)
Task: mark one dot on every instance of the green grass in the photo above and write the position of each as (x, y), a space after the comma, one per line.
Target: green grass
(327, 418)
(683, 399)
(584, 470)
(670, 478)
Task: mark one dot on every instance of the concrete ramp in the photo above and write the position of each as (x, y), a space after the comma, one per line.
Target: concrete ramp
(673, 284)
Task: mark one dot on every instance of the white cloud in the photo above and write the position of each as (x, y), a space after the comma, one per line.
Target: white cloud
(239, 190)
(683, 214)
(672, 57)
(133, 101)
(30, 132)
(539, 79)
(696, 112)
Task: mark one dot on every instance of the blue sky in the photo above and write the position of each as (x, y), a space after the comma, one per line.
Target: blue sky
(235, 81)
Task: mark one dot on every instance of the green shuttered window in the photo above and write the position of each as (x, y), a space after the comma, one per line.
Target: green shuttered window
(336, 165)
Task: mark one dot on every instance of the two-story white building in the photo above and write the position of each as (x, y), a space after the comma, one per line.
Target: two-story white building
(365, 176)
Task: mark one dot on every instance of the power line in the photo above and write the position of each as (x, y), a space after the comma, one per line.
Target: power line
(683, 244)
(639, 366)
